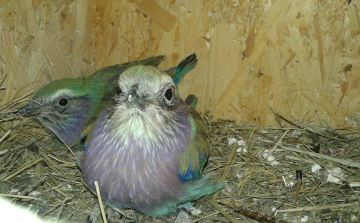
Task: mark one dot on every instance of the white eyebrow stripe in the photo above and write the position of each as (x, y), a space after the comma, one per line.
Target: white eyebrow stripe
(60, 92)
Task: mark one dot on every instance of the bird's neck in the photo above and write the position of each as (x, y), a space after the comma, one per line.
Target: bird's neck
(69, 124)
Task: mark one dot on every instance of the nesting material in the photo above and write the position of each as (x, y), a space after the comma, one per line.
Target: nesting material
(299, 172)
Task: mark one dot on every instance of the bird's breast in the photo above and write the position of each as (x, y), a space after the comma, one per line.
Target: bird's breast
(129, 178)
(136, 166)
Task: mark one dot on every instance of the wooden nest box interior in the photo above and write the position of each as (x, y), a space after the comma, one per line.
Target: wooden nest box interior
(298, 57)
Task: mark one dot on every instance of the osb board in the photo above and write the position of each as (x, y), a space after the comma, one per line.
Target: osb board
(299, 57)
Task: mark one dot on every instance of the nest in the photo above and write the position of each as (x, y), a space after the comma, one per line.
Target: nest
(299, 172)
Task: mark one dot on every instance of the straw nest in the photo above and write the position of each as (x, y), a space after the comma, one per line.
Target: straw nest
(298, 172)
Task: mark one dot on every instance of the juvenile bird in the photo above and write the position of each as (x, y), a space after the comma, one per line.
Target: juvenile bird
(70, 106)
(149, 148)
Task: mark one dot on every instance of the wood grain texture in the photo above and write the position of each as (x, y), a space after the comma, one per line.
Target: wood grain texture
(298, 57)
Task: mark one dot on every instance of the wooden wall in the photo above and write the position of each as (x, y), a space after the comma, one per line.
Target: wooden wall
(298, 57)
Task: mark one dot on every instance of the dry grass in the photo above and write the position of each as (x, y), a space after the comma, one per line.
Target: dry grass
(268, 171)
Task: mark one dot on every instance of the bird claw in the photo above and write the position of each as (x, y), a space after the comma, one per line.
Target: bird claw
(183, 213)
(185, 207)
(183, 216)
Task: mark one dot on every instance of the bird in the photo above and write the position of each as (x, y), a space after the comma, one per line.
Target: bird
(68, 107)
(148, 148)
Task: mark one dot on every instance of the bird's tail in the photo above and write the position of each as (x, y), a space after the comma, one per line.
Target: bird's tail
(198, 188)
(178, 72)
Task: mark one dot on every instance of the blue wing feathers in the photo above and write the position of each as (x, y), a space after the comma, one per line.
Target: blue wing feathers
(193, 174)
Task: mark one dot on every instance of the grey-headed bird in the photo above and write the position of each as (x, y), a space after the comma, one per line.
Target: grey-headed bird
(148, 148)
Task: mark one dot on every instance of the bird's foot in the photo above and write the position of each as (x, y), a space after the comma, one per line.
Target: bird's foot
(185, 206)
(182, 216)
(183, 213)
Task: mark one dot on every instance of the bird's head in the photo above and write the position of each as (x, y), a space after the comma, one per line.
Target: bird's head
(147, 102)
(62, 106)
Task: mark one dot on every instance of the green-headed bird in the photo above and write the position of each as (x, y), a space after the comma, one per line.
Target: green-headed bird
(69, 106)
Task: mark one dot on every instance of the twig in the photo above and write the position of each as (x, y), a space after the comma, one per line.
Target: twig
(56, 206)
(16, 172)
(32, 187)
(314, 208)
(100, 201)
(62, 161)
(229, 161)
(16, 100)
(19, 196)
(222, 211)
(206, 216)
(61, 208)
(308, 129)
(7, 119)
(278, 143)
(4, 136)
(346, 162)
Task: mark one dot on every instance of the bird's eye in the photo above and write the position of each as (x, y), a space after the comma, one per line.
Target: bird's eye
(118, 90)
(63, 102)
(168, 94)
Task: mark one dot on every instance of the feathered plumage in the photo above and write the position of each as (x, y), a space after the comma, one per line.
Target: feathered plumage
(148, 149)
(70, 106)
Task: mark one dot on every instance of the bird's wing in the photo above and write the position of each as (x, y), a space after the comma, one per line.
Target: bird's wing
(82, 147)
(196, 155)
(86, 135)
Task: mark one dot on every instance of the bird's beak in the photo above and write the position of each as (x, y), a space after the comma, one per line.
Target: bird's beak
(31, 109)
(135, 101)
(132, 96)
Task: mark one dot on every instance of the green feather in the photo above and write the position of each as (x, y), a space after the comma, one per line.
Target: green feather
(193, 191)
(178, 72)
(95, 92)
(198, 150)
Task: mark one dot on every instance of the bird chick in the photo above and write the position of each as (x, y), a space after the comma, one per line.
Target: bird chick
(149, 148)
(68, 106)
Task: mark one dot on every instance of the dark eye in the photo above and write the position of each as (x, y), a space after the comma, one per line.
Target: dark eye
(168, 94)
(63, 102)
(118, 90)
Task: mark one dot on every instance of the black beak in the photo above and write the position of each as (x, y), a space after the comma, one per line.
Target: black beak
(134, 100)
(132, 96)
(31, 109)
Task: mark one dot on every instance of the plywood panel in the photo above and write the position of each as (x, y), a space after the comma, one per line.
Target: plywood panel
(299, 57)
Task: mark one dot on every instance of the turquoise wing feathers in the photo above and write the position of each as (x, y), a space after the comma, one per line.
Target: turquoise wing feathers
(195, 157)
